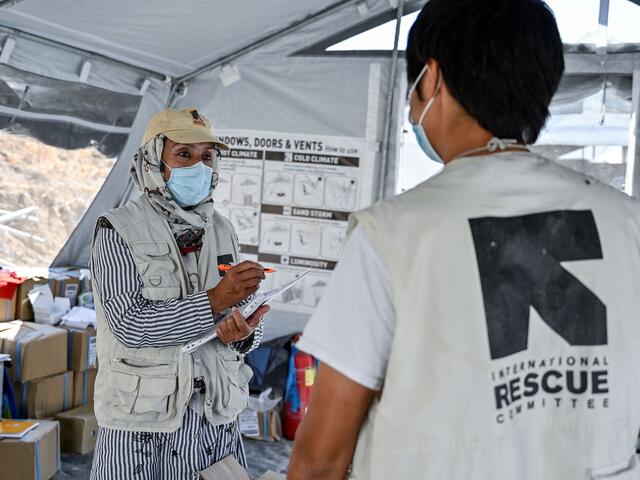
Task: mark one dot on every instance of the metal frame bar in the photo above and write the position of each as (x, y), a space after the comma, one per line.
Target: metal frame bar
(632, 177)
(603, 24)
(603, 14)
(590, 63)
(388, 127)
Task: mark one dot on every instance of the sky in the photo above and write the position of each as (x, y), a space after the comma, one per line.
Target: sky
(577, 22)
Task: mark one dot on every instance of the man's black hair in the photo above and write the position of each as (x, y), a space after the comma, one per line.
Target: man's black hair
(502, 60)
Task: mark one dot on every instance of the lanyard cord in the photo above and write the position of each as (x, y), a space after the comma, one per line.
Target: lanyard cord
(494, 145)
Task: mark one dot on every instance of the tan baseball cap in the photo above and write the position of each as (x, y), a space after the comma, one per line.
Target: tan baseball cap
(182, 126)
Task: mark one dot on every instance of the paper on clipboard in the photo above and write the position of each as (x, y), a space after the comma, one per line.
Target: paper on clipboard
(247, 310)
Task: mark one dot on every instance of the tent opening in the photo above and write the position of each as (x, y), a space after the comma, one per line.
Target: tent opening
(58, 142)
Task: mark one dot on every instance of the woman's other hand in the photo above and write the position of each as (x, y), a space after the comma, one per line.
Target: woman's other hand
(237, 284)
(235, 328)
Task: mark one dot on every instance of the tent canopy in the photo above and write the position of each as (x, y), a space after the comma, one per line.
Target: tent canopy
(167, 37)
(92, 72)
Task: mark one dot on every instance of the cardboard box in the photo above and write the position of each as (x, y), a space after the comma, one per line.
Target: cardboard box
(230, 469)
(78, 430)
(265, 426)
(8, 308)
(83, 386)
(66, 285)
(35, 456)
(82, 349)
(45, 397)
(24, 310)
(36, 350)
(47, 308)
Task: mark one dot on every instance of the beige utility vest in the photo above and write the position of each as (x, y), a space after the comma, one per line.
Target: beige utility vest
(148, 389)
(549, 390)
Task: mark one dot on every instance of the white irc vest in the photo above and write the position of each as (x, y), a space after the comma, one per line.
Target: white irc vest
(516, 353)
(148, 389)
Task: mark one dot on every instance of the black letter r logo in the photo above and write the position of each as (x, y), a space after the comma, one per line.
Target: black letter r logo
(519, 263)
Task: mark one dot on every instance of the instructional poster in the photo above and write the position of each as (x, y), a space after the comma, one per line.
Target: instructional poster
(289, 197)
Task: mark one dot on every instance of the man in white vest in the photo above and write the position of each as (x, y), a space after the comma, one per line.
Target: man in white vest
(483, 325)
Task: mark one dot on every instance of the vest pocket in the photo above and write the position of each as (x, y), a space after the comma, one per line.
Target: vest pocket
(627, 469)
(154, 394)
(157, 269)
(145, 388)
(125, 388)
(232, 382)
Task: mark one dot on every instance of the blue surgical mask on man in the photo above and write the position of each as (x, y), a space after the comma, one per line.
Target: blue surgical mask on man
(418, 129)
(190, 185)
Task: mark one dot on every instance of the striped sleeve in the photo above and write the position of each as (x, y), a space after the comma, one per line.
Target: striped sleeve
(251, 342)
(134, 320)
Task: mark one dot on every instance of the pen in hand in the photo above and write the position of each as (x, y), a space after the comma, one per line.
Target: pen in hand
(226, 267)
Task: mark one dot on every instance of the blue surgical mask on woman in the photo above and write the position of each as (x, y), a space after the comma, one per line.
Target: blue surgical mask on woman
(418, 129)
(190, 185)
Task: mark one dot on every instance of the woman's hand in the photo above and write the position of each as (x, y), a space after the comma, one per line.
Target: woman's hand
(235, 328)
(237, 284)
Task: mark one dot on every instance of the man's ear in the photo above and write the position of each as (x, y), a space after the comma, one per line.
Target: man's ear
(429, 83)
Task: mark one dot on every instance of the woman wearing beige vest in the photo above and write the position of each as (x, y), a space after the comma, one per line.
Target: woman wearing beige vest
(165, 414)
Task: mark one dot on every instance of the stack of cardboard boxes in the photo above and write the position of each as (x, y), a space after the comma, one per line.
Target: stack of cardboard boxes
(53, 372)
(83, 362)
(42, 384)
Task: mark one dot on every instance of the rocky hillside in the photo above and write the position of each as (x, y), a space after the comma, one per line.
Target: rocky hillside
(61, 183)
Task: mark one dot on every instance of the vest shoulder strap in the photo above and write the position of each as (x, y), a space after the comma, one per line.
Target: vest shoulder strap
(136, 221)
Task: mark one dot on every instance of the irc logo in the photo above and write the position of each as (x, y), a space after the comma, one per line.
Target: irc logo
(519, 264)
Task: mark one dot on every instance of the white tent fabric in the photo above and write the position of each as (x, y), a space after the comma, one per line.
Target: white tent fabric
(275, 90)
(260, 70)
(236, 62)
(169, 37)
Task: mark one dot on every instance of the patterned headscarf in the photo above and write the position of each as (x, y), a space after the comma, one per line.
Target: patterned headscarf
(146, 173)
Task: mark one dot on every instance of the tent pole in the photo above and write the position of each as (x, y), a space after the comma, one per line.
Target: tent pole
(632, 180)
(603, 25)
(388, 125)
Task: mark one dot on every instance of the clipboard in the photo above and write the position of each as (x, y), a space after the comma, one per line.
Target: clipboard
(247, 310)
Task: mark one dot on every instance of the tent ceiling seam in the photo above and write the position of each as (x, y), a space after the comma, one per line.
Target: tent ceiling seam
(64, 118)
(4, 4)
(319, 48)
(266, 39)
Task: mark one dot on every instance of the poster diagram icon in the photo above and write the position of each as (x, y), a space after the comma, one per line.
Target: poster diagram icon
(246, 190)
(222, 193)
(245, 221)
(333, 240)
(313, 290)
(278, 188)
(309, 190)
(341, 192)
(305, 239)
(275, 237)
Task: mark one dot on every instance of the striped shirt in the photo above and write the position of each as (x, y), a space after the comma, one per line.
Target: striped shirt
(138, 323)
(179, 455)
